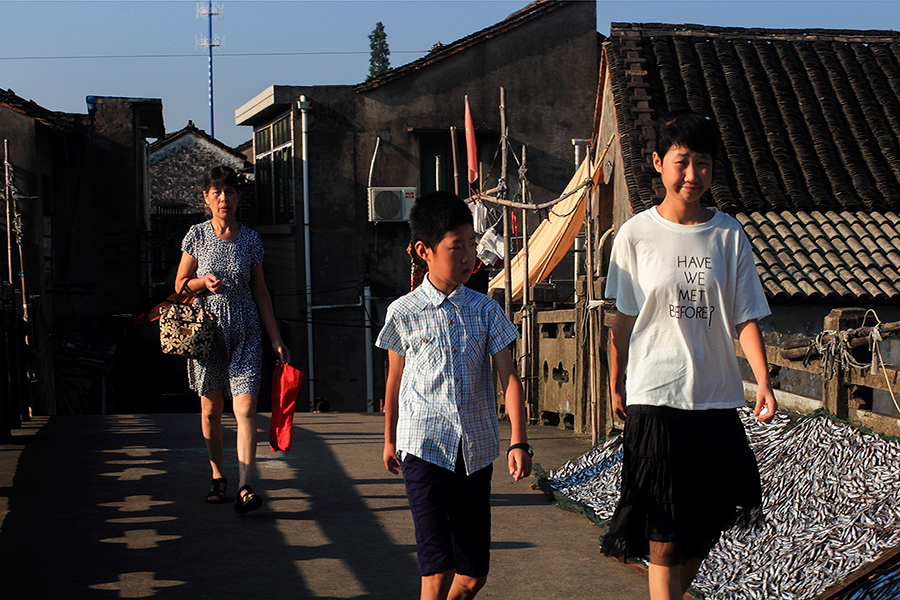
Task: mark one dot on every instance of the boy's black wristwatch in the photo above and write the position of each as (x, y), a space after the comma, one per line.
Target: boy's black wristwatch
(522, 445)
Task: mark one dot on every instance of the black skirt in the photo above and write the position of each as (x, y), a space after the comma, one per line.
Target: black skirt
(687, 476)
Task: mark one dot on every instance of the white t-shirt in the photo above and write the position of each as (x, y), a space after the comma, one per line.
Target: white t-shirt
(688, 285)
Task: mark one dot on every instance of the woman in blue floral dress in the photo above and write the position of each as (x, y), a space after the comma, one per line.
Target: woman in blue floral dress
(222, 259)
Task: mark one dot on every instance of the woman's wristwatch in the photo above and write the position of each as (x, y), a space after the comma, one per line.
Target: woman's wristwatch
(523, 446)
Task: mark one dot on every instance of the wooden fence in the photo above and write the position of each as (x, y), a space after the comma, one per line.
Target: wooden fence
(841, 394)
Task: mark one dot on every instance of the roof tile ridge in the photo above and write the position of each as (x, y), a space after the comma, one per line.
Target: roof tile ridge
(757, 33)
(633, 113)
(530, 12)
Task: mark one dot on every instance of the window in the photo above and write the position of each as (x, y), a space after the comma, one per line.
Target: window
(274, 173)
(437, 164)
(436, 172)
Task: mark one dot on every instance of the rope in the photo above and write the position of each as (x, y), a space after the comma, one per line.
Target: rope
(877, 360)
(485, 198)
(837, 354)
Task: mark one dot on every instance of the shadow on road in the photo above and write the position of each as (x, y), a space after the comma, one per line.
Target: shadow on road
(112, 507)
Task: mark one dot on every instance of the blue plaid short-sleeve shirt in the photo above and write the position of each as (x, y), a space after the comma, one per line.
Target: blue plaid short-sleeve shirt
(447, 392)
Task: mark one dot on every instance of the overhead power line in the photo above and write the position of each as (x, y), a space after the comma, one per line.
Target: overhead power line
(222, 54)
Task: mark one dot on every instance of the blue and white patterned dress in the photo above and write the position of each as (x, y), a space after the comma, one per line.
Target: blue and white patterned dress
(235, 363)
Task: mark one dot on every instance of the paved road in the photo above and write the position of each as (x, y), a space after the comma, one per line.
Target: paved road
(112, 507)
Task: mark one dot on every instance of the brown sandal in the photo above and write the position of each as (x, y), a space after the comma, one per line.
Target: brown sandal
(216, 493)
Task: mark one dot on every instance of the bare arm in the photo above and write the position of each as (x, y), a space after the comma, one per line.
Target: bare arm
(620, 334)
(267, 314)
(755, 350)
(391, 406)
(187, 271)
(518, 460)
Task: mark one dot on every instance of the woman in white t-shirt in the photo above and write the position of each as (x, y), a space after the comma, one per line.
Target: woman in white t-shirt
(685, 283)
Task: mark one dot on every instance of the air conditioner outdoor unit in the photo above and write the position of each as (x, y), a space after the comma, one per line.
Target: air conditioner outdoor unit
(390, 203)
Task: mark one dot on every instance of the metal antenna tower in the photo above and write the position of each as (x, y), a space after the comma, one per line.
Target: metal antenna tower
(209, 11)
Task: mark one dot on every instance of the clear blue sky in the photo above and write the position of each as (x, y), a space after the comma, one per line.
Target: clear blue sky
(58, 52)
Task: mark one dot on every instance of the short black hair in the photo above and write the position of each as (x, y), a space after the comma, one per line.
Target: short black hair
(689, 129)
(436, 213)
(219, 177)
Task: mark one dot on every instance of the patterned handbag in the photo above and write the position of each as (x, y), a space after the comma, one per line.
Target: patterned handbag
(186, 330)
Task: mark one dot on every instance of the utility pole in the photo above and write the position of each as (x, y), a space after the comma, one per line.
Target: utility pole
(209, 11)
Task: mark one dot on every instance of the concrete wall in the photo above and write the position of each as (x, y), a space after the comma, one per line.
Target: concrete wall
(20, 134)
(560, 368)
(98, 240)
(549, 70)
(83, 207)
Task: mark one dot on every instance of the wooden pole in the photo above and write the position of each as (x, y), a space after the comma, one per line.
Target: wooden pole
(455, 162)
(12, 209)
(589, 283)
(437, 173)
(527, 308)
(507, 264)
(13, 328)
(9, 407)
(523, 227)
(836, 391)
(9, 200)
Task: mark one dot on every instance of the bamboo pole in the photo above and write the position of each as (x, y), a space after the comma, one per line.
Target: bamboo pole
(437, 172)
(527, 308)
(455, 162)
(7, 182)
(523, 227)
(507, 264)
(798, 349)
(592, 341)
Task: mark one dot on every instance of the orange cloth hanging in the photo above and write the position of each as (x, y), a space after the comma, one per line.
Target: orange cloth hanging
(471, 149)
(554, 237)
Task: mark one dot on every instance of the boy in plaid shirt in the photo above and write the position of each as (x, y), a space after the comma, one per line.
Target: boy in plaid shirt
(440, 411)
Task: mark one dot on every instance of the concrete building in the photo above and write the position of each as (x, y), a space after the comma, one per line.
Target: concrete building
(393, 132)
(81, 188)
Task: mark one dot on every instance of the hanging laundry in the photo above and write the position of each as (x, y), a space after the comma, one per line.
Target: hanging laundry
(490, 248)
(481, 217)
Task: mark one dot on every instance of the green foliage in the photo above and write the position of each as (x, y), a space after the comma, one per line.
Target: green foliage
(380, 61)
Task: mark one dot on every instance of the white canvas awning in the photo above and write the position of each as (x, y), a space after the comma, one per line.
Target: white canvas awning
(549, 243)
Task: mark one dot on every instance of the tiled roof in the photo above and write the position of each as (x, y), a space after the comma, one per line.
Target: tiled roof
(190, 129)
(826, 256)
(809, 157)
(439, 52)
(56, 120)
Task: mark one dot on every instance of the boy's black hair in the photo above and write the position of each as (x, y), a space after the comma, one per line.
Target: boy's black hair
(436, 213)
(220, 176)
(689, 129)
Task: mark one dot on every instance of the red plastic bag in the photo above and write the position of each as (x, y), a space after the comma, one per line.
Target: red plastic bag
(286, 383)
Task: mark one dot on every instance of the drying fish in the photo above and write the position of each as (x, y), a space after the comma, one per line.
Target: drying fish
(829, 497)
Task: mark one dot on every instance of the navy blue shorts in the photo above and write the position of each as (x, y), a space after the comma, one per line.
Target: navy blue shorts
(452, 515)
